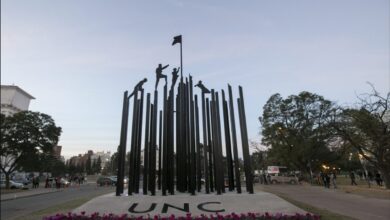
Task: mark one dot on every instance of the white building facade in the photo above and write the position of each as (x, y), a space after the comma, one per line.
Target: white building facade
(105, 158)
(14, 100)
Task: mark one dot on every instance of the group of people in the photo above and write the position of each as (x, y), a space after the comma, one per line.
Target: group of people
(368, 176)
(265, 179)
(325, 178)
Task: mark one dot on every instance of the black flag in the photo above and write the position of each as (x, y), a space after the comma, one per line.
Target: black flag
(176, 39)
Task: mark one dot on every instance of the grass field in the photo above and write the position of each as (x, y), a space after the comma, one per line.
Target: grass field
(325, 214)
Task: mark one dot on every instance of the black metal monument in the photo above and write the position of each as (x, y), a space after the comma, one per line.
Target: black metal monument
(188, 158)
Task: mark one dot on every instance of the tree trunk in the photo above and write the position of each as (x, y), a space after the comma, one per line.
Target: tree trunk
(7, 180)
(386, 177)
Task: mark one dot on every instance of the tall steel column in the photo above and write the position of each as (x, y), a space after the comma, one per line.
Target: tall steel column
(234, 139)
(245, 145)
(122, 145)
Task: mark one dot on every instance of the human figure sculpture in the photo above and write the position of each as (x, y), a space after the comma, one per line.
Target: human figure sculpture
(202, 87)
(159, 74)
(175, 75)
(138, 87)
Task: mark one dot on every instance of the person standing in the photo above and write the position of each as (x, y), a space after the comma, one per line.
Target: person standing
(352, 176)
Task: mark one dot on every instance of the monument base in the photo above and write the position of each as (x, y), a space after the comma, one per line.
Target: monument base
(181, 204)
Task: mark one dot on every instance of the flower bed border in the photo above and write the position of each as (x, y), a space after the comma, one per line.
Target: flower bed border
(216, 216)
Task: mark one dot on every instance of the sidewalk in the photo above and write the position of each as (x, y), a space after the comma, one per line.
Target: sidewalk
(28, 193)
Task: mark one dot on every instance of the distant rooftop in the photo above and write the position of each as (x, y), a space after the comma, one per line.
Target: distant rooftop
(17, 88)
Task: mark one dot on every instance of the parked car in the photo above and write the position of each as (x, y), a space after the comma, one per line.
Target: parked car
(23, 181)
(115, 179)
(284, 178)
(106, 181)
(13, 185)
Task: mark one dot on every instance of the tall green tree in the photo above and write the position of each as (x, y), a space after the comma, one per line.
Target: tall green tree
(89, 165)
(367, 129)
(297, 130)
(25, 135)
(98, 165)
(114, 163)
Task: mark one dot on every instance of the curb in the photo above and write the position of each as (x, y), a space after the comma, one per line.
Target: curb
(26, 196)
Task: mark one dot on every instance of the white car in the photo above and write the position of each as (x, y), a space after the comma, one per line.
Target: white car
(12, 185)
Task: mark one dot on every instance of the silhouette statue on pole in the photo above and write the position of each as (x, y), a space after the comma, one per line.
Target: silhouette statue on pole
(175, 75)
(202, 87)
(159, 74)
(180, 148)
(138, 87)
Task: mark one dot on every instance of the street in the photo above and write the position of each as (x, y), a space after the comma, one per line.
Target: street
(23, 206)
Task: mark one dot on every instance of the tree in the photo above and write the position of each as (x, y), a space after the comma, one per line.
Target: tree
(367, 129)
(297, 130)
(259, 157)
(89, 166)
(114, 163)
(98, 165)
(25, 135)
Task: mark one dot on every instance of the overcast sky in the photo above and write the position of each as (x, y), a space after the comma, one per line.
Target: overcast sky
(77, 57)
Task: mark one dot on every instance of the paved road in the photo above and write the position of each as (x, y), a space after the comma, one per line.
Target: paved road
(355, 206)
(22, 206)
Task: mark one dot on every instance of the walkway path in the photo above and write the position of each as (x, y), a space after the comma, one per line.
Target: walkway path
(355, 206)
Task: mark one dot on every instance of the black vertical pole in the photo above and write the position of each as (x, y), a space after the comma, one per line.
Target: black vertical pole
(122, 145)
(215, 144)
(198, 150)
(234, 139)
(164, 148)
(178, 139)
(150, 146)
(219, 133)
(205, 146)
(228, 143)
(139, 137)
(146, 146)
(160, 151)
(187, 140)
(171, 130)
(132, 175)
(135, 153)
(210, 146)
(153, 146)
(192, 139)
(245, 145)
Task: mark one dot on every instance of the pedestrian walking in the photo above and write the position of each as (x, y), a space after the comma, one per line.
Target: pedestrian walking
(323, 179)
(327, 180)
(35, 182)
(352, 176)
(264, 177)
(378, 179)
(47, 182)
(334, 177)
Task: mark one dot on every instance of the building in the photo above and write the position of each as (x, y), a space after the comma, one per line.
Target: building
(81, 159)
(57, 152)
(14, 100)
(105, 158)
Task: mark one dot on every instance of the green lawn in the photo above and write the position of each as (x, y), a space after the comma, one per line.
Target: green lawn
(62, 208)
(325, 214)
